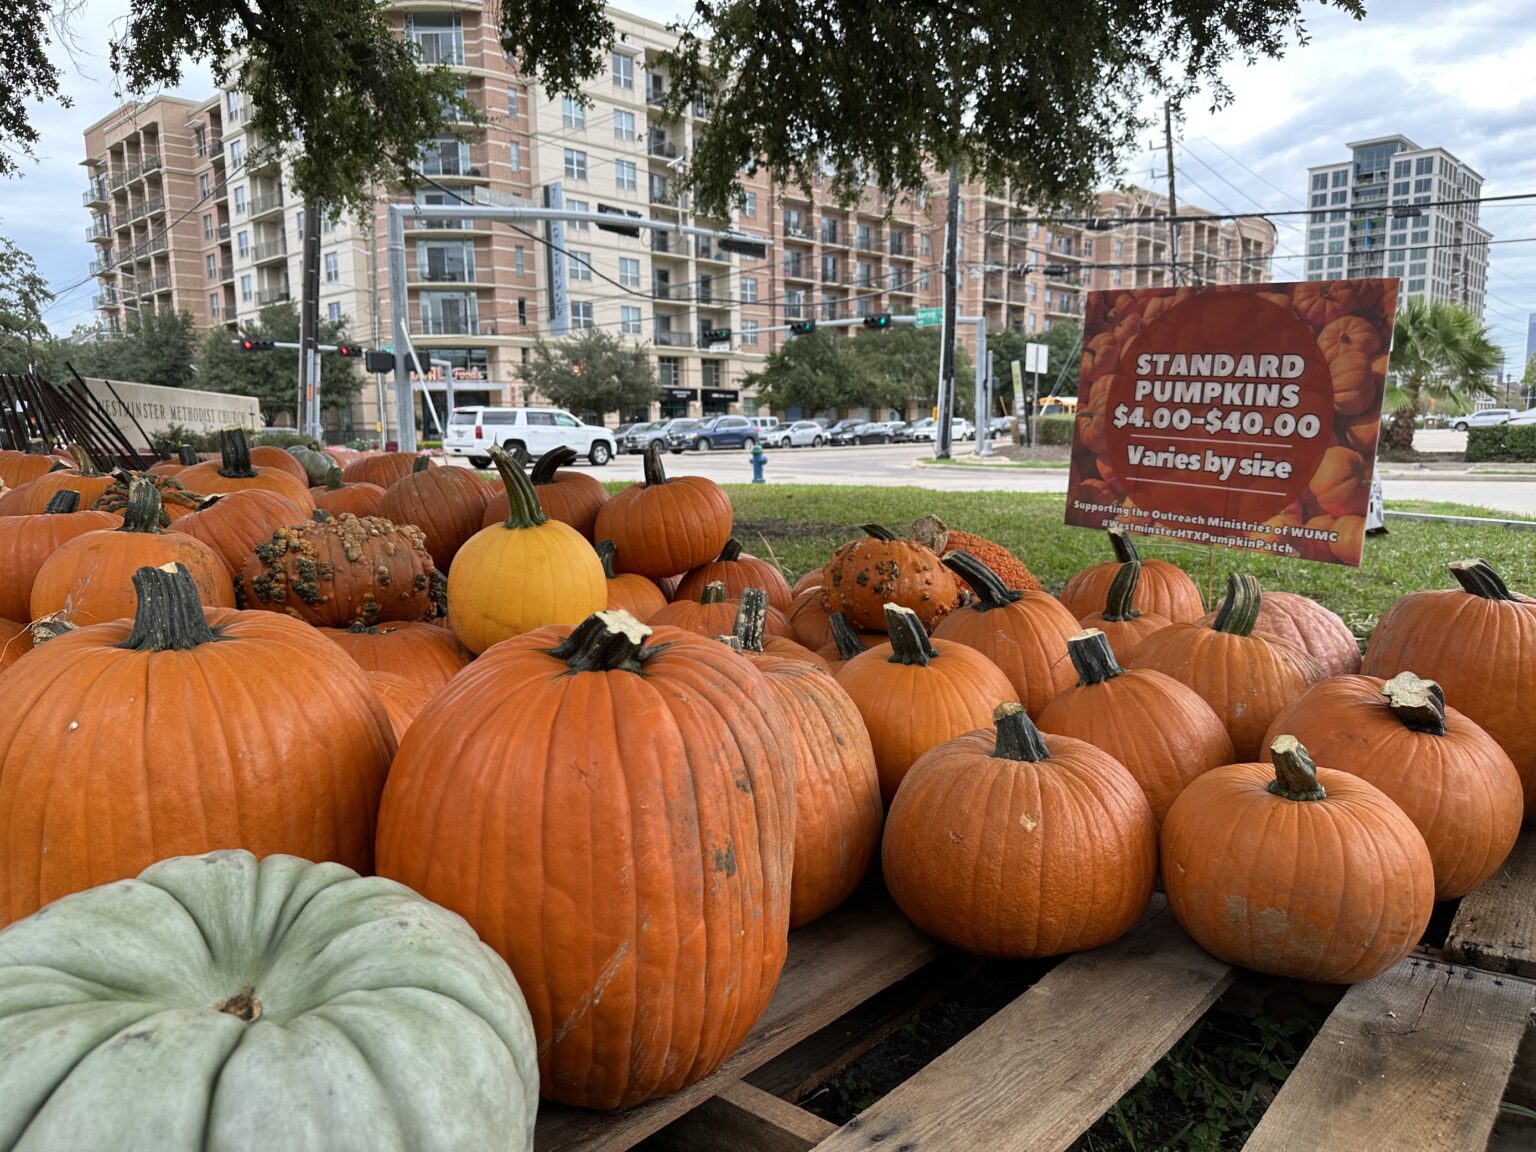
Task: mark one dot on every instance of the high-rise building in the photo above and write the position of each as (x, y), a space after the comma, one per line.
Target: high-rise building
(1135, 253)
(1395, 209)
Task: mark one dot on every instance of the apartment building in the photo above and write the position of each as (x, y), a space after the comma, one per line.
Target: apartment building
(1385, 212)
(1134, 251)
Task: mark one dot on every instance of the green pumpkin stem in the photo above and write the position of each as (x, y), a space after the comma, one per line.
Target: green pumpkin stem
(1093, 658)
(1295, 774)
(909, 640)
(551, 462)
(653, 471)
(420, 464)
(1479, 578)
(186, 455)
(333, 480)
(1419, 704)
(878, 532)
(1122, 591)
(235, 455)
(141, 511)
(62, 502)
(751, 619)
(731, 552)
(1017, 736)
(990, 590)
(714, 593)
(1240, 610)
(607, 552)
(169, 616)
(611, 641)
(847, 640)
(522, 500)
(1124, 547)
(85, 463)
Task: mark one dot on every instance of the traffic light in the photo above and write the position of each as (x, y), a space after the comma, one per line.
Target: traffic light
(621, 229)
(254, 345)
(377, 361)
(878, 320)
(350, 350)
(716, 336)
(802, 327)
(742, 245)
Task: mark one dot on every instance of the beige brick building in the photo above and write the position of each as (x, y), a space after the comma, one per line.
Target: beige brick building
(1209, 252)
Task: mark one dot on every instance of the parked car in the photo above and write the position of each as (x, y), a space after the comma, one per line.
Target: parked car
(800, 434)
(1487, 418)
(842, 431)
(764, 423)
(716, 432)
(1526, 417)
(893, 427)
(959, 429)
(917, 430)
(527, 433)
(872, 432)
(1000, 426)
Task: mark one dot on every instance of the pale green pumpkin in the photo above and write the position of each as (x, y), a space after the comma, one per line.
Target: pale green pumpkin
(218, 1002)
(316, 464)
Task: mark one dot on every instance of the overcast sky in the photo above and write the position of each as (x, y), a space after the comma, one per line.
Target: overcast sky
(1458, 77)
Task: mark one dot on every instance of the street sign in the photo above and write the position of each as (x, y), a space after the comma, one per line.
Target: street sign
(1036, 357)
(928, 317)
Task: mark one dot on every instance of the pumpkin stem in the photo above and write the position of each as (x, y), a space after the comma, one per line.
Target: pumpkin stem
(732, 642)
(1295, 774)
(1240, 610)
(714, 593)
(611, 641)
(333, 480)
(357, 627)
(522, 500)
(550, 463)
(420, 464)
(1479, 578)
(46, 628)
(909, 641)
(64, 501)
(751, 618)
(731, 552)
(84, 463)
(990, 590)
(141, 511)
(607, 552)
(1122, 591)
(1124, 547)
(186, 455)
(931, 532)
(235, 454)
(1093, 658)
(653, 471)
(1017, 736)
(169, 616)
(847, 640)
(878, 532)
(242, 1004)
(1419, 704)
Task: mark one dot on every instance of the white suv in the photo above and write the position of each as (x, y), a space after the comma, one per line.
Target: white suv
(527, 433)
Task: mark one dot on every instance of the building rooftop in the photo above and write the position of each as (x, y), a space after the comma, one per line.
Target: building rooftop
(1394, 139)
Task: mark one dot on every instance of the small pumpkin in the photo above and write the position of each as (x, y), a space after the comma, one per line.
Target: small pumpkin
(637, 595)
(1303, 623)
(525, 573)
(664, 526)
(1488, 678)
(425, 655)
(1356, 384)
(570, 497)
(1005, 842)
(402, 699)
(316, 464)
(1161, 587)
(234, 523)
(1160, 730)
(234, 472)
(753, 639)
(89, 579)
(1451, 778)
(1323, 302)
(1339, 484)
(712, 614)
(381, 468)
(809, 618)
(915, 693)
(877, 569)
(1349, 334)
(31, 498)
(279, 459)
(342, 571)
(1246, 679)
(933, 534)
(274, 988)
(1024, 634)
(336, 496)
(27, 541)
(18, 468)
(1122, 625)
(1296, 870)
(176, 499)
(445, 503)
(738, 571)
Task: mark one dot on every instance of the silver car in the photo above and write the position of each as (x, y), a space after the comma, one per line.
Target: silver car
(800, 434)
(1487, 418)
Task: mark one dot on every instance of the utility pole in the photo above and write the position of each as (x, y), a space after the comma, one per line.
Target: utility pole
(309, 326)
(1173, 198)
(941, 432)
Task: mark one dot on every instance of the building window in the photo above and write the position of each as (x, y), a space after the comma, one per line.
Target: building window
(245, 288)
(1341, 178)
(1320, 182)
(243, 242)
(232, 102)
(577, 206)
(333, 311)
(332, 268)
(236, 154)
(203, 185)
(711, 373)
(520, 260)
(749, 332)
(515, 156)
(581, 314)
(575, 164)
(629, 272)
(623, 72)
(240, 200)
(1424, 166)
(213, 305)
(328, 222)
(438, 37)
(1423, 185)
(749, 289)
(794, 304)
(581, 264)
(623, 125)
(522, 312)
(629, 320)
(670, 369)
(513, 103)
(624, 175)
(572, 114)
(213, 266)
(749, 206)
(298, 223)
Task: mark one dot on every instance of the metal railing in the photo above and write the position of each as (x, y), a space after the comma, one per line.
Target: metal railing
(99, 229)
(267, 296)
(263, 204)
(450, 325)
(269, 250)
(666, 338)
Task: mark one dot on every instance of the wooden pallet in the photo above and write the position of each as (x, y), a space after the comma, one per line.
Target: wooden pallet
(1418, 1058)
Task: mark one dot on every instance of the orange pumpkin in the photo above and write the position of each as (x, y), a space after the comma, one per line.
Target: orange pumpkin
(424, 655)
(1451, 778)
(738, 571)
(15, 642)
(846, 643)
(1322, 302)
(1006, 842)
(570, 497)
(712, 614)
(1296, 870)
(402, 699)
(18, 468)
(1339, 484)
(664, 526)
(933, 534)
(866, 574)
(752, 639)
(31, 498)
(447, 504)
(337, 496)
(1349, 334)
(1123, 626)
(809, 618)
(280, 460)
(636, 595)
(915, 693)
(811, 579)
(176, 499)
(233, 472)
(27, 541)
(1351, 542)
(1355, 383)
(1161, 587)
(381, 468)
(234, 523)
(1303, 623)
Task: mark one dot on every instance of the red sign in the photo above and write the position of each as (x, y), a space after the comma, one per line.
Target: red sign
(1242, 415)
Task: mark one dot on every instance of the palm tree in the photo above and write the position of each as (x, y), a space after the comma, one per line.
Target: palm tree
(1441, 354)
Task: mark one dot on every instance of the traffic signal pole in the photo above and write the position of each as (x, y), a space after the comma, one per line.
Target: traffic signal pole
(307, 414)
(943, 428)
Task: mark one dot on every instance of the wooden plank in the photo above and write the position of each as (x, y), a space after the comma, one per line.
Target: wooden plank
(834, 965)
(823, 1055)
(1416, 1058)
(741, 1117)
(1042, 1070)
(1495, 927)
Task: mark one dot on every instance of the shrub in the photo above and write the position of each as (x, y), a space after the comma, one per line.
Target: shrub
(167, 442)
(1502, 442)
(1054, 429)
(281, 439)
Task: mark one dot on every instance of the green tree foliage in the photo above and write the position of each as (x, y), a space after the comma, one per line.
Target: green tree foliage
(30, 76)
(592, 373)
(1441, 353)
(273, 377)
(903, 363)
(1065, 343)
(23, 295)
(154, 348)
(823, 373)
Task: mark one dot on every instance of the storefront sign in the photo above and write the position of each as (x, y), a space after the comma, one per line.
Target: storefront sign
(435, 374)
(730, 395)
(1240, 415)
(681, 393)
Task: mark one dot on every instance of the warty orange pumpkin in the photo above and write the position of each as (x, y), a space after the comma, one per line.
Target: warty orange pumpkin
(940, 539)
(877, 569)
(27, 541)
(665, 526)
(1162, 587)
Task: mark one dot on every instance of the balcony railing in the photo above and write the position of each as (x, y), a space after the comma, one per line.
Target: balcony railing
(662, 194)
(797, 231)
(268, 203)
(104, 265)
(450, 325)
(797, 269)
(99, 229)
(662, 147)
(150, 163)
(226, 273)
(655, 94)
(666, 338)
(668, 245)
(107, 299)
(118, 179)
(154, 206)
(223, 232)
(831, 236)
(868, 242)
(269, 250)
(95, 194)
(446, 275)
(438, 48)
(268, 296)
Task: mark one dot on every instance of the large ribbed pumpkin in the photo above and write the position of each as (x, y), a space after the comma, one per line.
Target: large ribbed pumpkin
(665, 526)
(877, 569)
(712, 614)
(1123, 625)
(445, 503)
(403, 699)
(1303, 623)
(1161, 730)
(171, 734)
(1246, 679)
(424, 654)
(570, 497)
(89, 579)
(635, 594)
(234, 472)
(381, 468)
(915, 693)
(336, 496)
(527, 572)
(234, 523)
(18, 468)
(1023, 633)
(31, 498)
(737, 571)
(221, 1002)
(633, 859)
(1296, 870)
(1004, 842)
(1163, 588)
(1452, 779)
(280, 459)
(1479, 644)
(27, 541)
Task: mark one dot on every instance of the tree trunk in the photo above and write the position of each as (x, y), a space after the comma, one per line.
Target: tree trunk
(1399, 431)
